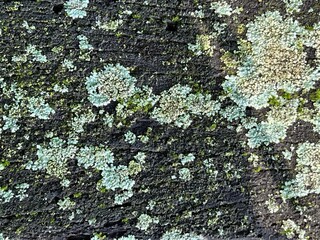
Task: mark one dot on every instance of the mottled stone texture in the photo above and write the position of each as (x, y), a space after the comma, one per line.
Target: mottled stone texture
(225, 199)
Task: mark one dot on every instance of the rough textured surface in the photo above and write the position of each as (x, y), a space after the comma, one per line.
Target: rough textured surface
(135, 181)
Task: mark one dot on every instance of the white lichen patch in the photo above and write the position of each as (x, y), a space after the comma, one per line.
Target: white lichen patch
(293, 231)
(76, 8)
(66, 204)
(186, 158)
(39, 108)
(178, 235)
(178, 104)
(5, 195)
(113, 177)
(185, 174)
(53, 158)
(112, 83)
(272, 204)
(293, 5)
(145, 221)
(273, 60)
(222, 8)
(84, 44)
(307, 179)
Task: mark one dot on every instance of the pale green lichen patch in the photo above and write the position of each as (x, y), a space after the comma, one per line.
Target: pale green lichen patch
(109, 25)
(145, 221)
(186, 158)
(130, 137)
(39, 108)
(185, 174)
(178, 104)
(5, 195)
(112, 83)
(293, 6)
(66, 204)
(177, 235)
(273, 61)
(113, 177)
(76, 8)
(203, 45)
(53, 158)
(274, 129)
(84, 43)
(293, 231)
(31, 50)
(307, 179)
(222, 8)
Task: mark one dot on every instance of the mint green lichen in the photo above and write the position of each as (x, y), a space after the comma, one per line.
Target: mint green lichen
(113, 177)
(36, 55)
(10, 123)
(111, 84)
(5, 195)
(84, 44)
(274, 61)
(22, 191)
(307, 179)
(53, 158)
(108, 120)
(66, 204)
(2, 237)
(130, 137)
(177, 235)
(80, 120)
(178, 104)
(76, 8)
(60, 88)
(145, 221)
(186, 158)
(68, 64)
(30, 29)
(185, 174)
(95, 157)
(39, 108)
(293, 5)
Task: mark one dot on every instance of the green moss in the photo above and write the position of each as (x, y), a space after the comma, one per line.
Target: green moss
(315, 96)
(274, 101)
(136, 16)
(176, 19)
(77, 195)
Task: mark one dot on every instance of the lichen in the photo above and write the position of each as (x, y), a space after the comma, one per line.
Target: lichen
(76, 8)
(307, 178)
(178, 104)
(112, 83)
(145, 221)
(274, 61)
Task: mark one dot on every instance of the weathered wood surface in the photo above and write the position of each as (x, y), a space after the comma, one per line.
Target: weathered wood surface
(153, 43)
